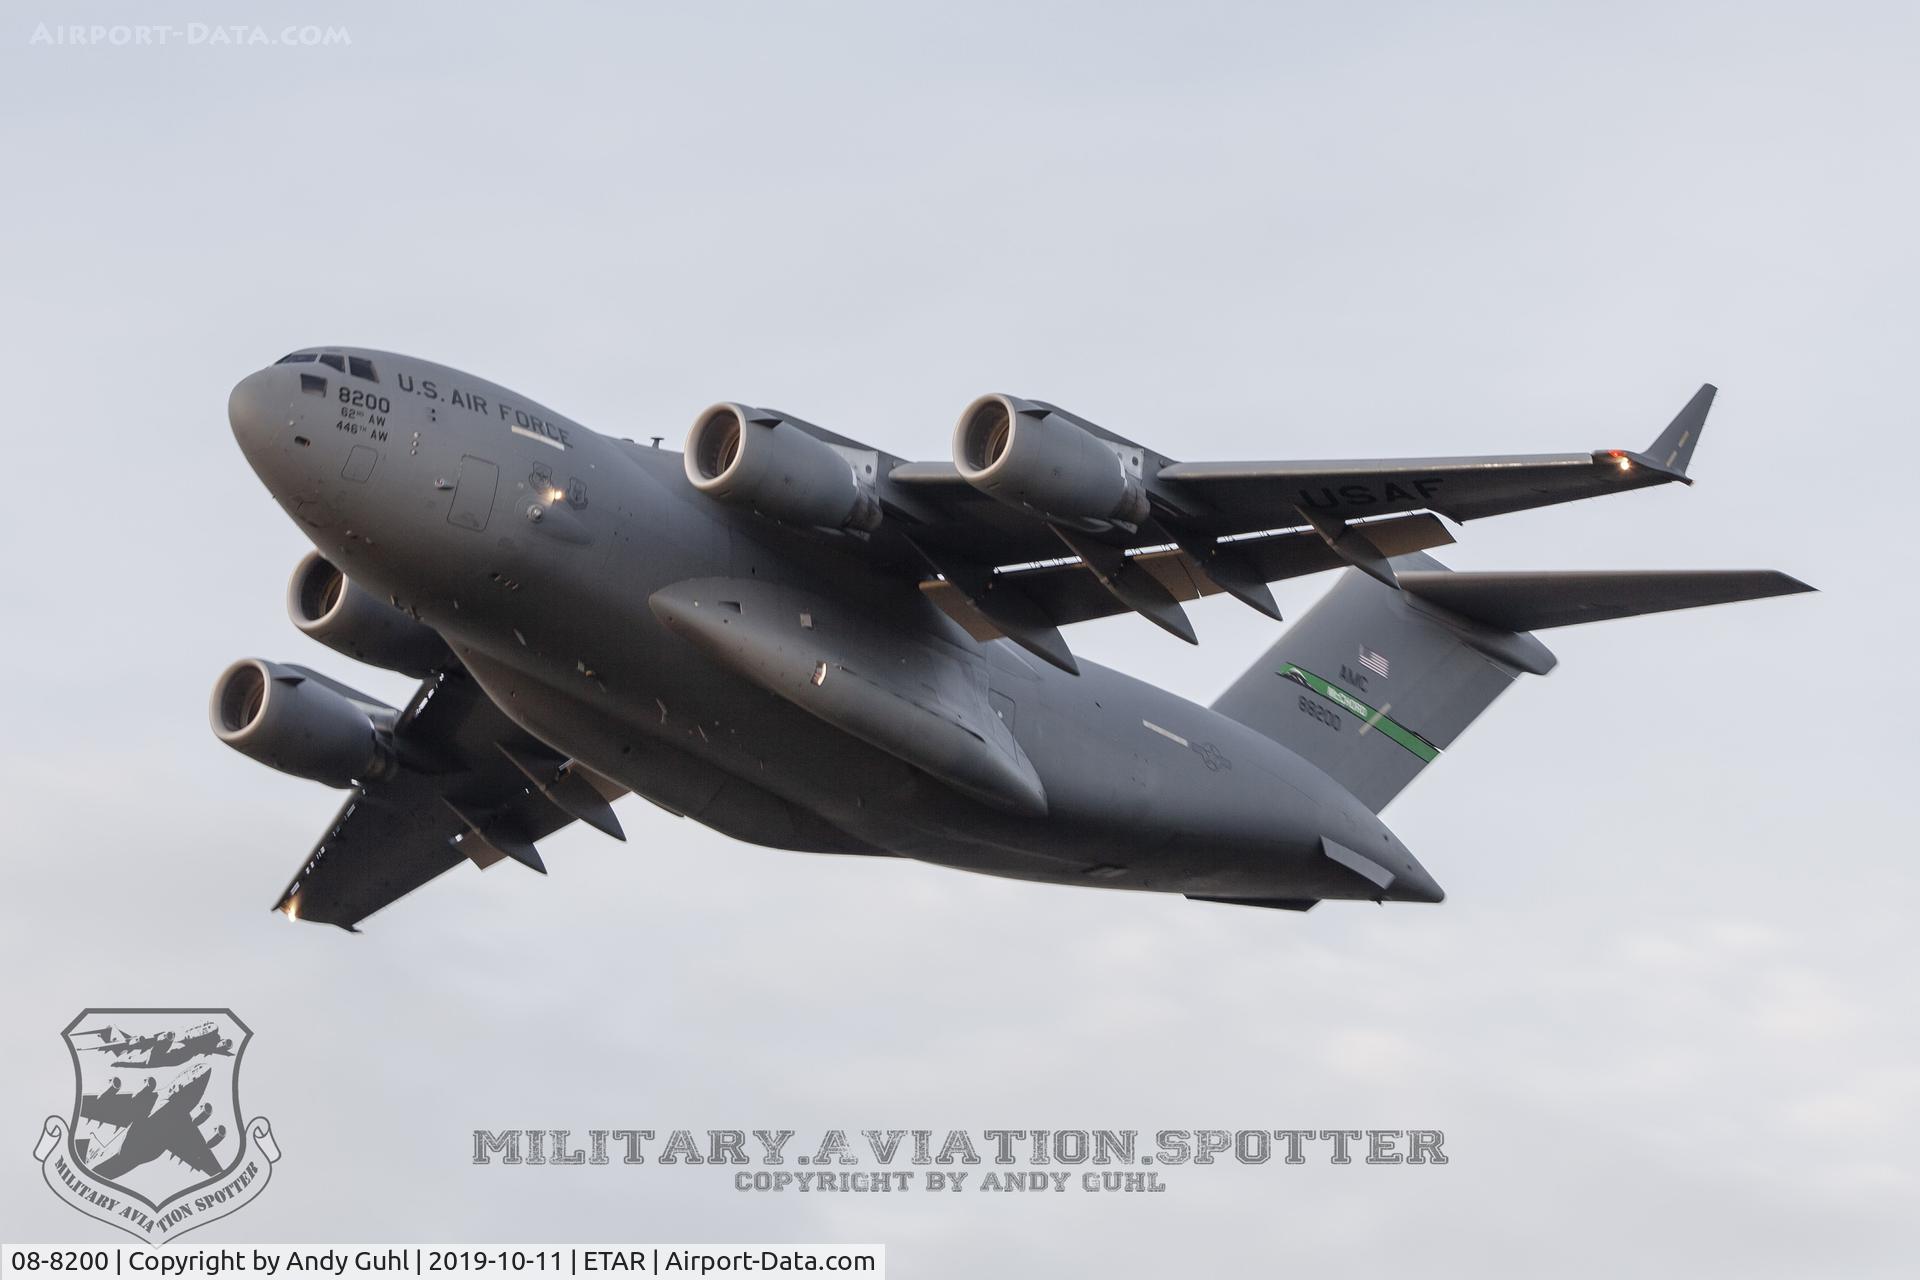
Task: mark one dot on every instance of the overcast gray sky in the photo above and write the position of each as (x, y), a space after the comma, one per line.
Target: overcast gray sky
(1666, 1017)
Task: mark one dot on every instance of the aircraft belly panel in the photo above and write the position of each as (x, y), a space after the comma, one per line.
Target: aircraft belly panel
(674, 779)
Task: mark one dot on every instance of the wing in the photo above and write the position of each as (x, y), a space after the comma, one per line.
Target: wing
(1459, 488)
(1233, 527)
(1227, 498)
(116, 1109)
(1045, 518)
(473, 786)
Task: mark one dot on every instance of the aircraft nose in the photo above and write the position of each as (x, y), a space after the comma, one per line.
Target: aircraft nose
(258, 407)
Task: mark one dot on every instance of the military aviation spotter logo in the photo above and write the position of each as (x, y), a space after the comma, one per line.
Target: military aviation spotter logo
(156, 1145)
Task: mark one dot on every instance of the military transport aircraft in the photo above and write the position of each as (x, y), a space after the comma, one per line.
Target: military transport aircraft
(811, 644)
(203, 1039)
(147, 1131)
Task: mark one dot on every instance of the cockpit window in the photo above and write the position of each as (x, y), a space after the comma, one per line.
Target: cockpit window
(313, 384)
(334, 362)
(361, 368)
(297, 357)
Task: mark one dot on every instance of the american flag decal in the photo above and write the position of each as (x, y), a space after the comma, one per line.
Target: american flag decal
(1374, 662)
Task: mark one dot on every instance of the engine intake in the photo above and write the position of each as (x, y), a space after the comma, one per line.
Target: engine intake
(1026, 455)
(325, 603)
(758, 459)
(298, 723)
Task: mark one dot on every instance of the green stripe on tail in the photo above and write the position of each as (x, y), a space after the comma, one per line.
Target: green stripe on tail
(1374, 719)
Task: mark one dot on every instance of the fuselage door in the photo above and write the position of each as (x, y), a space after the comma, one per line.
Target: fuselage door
(473, 493)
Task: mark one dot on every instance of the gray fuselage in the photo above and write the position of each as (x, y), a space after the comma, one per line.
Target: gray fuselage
(542, 552)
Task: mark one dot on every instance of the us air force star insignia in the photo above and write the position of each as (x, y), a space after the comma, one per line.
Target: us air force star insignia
(155, 1145)
(1211, 756)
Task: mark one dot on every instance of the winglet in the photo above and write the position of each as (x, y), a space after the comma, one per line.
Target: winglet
(1673, 449)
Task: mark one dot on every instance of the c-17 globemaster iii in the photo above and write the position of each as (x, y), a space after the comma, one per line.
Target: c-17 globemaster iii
(807, 643)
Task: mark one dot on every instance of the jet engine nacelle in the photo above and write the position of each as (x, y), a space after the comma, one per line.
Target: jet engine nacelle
(325, 603)
(302, 724)
(758, 459)
(1027, 456)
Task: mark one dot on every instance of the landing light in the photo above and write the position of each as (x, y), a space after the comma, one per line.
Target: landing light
(292, 909)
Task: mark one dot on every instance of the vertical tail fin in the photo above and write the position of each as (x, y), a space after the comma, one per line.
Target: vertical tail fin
(1372, 683)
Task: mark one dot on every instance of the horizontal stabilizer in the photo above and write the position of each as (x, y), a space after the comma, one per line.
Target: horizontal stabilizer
(1537, 601)
(1372, 685)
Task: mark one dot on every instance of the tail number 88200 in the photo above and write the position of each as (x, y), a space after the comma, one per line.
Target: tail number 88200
(1325, 715)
